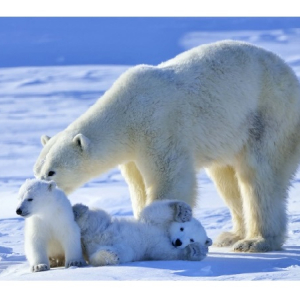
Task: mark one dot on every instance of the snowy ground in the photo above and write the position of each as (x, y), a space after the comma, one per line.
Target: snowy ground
(44, 100)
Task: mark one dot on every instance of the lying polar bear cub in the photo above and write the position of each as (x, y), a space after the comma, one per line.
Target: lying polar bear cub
(111, 241)
(52, 237)
(175, 218)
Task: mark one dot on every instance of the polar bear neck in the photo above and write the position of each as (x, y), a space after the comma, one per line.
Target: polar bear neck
(106, 124)
(117, 119)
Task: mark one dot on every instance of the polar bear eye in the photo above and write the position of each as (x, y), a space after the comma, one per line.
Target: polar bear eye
(51, 173)
(30, 199)
(181, 229)
(192, 240)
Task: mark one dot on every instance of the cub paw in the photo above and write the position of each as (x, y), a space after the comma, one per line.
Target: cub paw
(104, 258)
(56, 262)
(39, 268)
(76, 263)
(183, 212)
(195, 252)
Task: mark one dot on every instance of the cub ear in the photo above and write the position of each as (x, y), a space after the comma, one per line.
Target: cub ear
(208, 242)
(79, 210)
(81, 141)
(45, 139)
(51, 185)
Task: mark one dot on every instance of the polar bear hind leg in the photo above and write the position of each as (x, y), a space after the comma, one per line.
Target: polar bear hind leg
(227, 186)
(104, 256)
(111, 255)
(264, 188)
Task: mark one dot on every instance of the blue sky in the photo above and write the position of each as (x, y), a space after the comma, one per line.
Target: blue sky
(27, 41)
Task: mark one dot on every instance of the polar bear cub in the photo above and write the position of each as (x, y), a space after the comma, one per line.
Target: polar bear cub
(178, 222)
(52, 237)
(111, 241)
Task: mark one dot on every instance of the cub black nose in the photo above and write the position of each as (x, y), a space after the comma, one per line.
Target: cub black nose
(178, 243)
(19, 211)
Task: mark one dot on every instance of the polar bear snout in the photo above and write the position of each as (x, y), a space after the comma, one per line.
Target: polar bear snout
(177, 243)
(21, 212)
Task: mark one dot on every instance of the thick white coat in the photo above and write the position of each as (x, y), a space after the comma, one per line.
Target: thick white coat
(230, 107)
(111, 241)
(52, 237)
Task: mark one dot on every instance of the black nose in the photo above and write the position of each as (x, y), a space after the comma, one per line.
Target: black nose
(19, 211)
(178, 243)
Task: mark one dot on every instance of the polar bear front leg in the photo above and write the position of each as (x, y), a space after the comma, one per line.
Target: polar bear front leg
(195, 252)
(136, 186)
(165, 251)
(72, 248)
(227, 185)
(36, 253)
(168, 174)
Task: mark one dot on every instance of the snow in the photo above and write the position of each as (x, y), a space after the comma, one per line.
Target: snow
(41, 99)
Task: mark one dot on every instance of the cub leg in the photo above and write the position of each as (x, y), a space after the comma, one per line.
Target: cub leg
(162, 212)
(165, 251)
(72, 248)
(111, 255)
(36, 253)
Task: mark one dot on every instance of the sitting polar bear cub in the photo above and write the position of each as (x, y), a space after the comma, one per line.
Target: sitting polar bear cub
(50, 229)
(111, 241)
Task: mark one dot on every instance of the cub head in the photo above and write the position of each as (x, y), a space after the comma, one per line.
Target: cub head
(65, 159)
(183, 234)
(34, 196)
(80, 212)
(90, 221)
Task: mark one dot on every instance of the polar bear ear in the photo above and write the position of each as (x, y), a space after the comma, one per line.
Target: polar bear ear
(81, 141)
(51, 185)
(208, 242)
(79, 210)
(45, 139)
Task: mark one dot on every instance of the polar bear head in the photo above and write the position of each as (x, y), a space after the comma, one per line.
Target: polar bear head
(183, 234)
(65, 159)
(35, 196)
(90, 220)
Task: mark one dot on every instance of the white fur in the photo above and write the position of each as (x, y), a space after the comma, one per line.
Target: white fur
(183, 234)
(50, 229)
(110, 241)
(230, 107)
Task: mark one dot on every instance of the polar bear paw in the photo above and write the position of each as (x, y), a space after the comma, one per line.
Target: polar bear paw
(183, 212)
(195, 252)
(57, 262)
(257, 245)
(104, 258)
(75, 263)
(39, 268)
(226, 239)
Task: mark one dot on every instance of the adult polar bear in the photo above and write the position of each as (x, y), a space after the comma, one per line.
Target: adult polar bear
(229, 107)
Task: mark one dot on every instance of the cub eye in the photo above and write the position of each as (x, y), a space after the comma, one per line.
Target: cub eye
(181, 229)
(192, 240)
(51, 173)
(30, 199)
